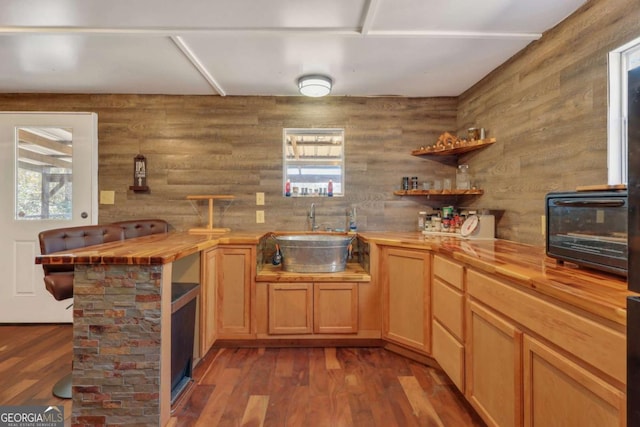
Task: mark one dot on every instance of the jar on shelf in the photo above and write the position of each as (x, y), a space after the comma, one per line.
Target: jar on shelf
(463, 180)
(414, 182)
(422, 217)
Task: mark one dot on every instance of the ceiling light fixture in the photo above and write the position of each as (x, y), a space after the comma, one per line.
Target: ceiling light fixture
(314, 85)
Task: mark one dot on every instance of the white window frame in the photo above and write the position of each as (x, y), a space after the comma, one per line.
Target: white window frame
(319, 188)
(620, 61)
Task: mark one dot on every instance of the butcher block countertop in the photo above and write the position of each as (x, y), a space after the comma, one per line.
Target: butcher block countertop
(155, 249)
(596, 292)
(599, 293)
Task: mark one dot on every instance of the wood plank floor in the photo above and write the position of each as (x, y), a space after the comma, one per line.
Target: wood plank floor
(259, 387)
(321, 387)
(32, 359)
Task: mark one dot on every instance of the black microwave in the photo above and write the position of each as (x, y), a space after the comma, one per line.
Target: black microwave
(588, 229)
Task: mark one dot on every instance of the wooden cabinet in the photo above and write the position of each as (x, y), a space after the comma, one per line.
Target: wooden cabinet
(532, 361)
(335, 308)
(290, 308)
(208, 281)
(559, 392)
(318, 308)
(235, 286)
(494, 367)
(406, 276)
(447, 301)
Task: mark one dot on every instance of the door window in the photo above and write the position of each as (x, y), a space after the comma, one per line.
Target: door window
(44, 172)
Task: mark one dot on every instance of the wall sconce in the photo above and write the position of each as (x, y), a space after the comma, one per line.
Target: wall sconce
(139, 174)
(314, 85)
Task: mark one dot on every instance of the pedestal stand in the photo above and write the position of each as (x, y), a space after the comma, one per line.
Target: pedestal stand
(210, 228)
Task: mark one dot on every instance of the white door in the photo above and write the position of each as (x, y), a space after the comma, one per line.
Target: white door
(48, 171)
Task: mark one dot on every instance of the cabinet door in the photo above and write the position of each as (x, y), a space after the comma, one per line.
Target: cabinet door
(290, 308)
(335, 308)
(494, 367)
(208, 278)
(558, 392)
(234, 292)
(406, 291)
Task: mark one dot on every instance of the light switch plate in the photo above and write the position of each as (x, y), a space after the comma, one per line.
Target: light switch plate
(260, 198)
(259, 217)
(107, 197)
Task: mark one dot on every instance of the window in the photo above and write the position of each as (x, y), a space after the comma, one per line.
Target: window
(313, 162)
(621, 60)
(44, 173)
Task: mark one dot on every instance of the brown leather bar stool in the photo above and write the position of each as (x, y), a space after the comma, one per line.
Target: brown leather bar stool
(143, 227)
(58, 278)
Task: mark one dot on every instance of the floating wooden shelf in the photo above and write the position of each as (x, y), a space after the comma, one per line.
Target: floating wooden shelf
(438, 192)
(209, 228)
(463, 147)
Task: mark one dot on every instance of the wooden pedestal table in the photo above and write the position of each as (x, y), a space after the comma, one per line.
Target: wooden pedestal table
(209, 228)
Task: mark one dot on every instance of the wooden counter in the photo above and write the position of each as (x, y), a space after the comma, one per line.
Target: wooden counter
(122, 296)
(599, 293)
(155, 249)
(353, 272)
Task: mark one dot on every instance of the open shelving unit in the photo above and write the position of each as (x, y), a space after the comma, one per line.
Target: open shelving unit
(453, 148)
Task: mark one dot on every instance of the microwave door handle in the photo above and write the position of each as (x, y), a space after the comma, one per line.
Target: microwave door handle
(591, 203)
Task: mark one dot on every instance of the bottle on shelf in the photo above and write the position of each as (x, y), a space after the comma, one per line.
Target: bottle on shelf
(330, 189)
(287, 188)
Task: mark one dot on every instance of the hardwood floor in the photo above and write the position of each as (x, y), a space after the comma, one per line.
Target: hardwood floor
(32, 359)
(320, 387)
(256, 387)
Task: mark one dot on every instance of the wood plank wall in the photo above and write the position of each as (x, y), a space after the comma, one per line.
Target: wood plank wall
(233, 145)
(547, 107)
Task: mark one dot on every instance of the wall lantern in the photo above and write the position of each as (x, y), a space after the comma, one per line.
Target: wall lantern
(139, 174)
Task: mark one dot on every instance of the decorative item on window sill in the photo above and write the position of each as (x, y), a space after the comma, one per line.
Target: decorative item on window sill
(139, 175)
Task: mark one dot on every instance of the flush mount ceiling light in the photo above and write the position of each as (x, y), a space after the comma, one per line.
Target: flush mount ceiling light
(314, 85)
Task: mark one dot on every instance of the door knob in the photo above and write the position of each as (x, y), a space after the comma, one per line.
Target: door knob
(84, 215)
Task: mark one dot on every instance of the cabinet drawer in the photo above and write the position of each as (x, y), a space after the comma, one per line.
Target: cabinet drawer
(447, 306)
(596, 344)
(449, 354)
(448, 271)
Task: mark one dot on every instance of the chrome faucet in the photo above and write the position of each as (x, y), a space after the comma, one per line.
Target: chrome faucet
(312, 217)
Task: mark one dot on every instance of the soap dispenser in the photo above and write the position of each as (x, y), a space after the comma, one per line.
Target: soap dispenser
(351, 220)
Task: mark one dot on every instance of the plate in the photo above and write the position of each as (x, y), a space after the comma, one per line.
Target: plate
(469, 225)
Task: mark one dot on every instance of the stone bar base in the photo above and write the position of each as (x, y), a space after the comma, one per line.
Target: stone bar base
(117, 335)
